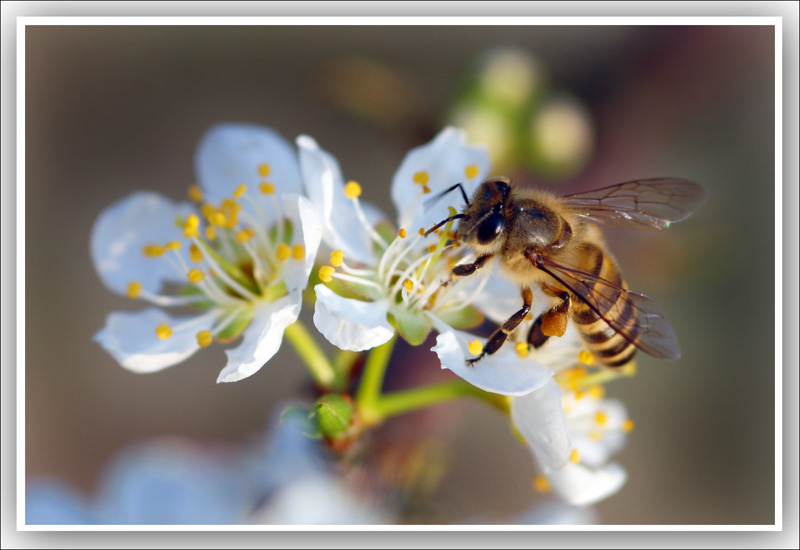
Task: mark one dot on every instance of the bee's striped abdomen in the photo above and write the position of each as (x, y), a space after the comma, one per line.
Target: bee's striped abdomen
(607, 345)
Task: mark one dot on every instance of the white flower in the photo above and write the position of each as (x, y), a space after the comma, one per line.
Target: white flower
(239, 258)
(385, 279)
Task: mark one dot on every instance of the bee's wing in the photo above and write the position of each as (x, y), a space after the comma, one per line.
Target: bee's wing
(650, 204)
(651, 333)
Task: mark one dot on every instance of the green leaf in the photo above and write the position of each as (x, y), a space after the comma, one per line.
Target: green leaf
(414, 328)
(235, 327)
(464, 318)
(332, 414)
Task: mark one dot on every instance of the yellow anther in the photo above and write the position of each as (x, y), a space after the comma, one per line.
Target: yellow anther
(600, 417)
(426, 189)
(352, 190)
(264, 170)
(597, 392)
(577, 372)
(540, 484)
(153, 250)
(421, 231)
(451, 211)
(585, 357)
(173, 245)
(402, 233)
(471, 171)
(195, 275)
(195, 193)
(580, 394)
(596, 436)
(627, 426)
(241, 190)
(217, 218)
(421, 178)
(231, 221)
(432, 249)
(134, 289)
(267, 188)
(283, 252)
(475, 347)
(190, 232)
(245, 235)
(191, 221)
(522, 349)
(204, 338)
(230, 205)
(163, 331)
(298, 252)
(409, 284)
(326, 273)
(575, 456)
(337, 257)
(195, 254)
(207, 210)
(211, 232)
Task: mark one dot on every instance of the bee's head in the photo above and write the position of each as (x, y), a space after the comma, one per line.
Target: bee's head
(483, 225)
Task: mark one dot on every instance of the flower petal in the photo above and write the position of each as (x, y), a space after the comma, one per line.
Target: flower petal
(121, 232)
(130, 337)
(504, 372)
(351, 324)
(230, 155)
(262, 338)
(540, 418)
(323, 179)
(446, 160)
(581, 486)
(308, 233)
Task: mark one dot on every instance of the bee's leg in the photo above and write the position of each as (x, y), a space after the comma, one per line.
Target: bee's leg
(552, 322)
(463, 270)
(499, 336)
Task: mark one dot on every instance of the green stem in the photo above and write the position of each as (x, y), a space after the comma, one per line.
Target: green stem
(369, 390)
(405, 401)
(343, 363)
(309, 351)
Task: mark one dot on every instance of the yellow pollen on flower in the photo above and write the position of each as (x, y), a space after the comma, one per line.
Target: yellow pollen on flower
(326, 273)
(597, 392)
(195, 275)
(264, 170)
(163, 331)
(217, 217)
(204, 338)
(575, 456)
(191, 225)
(337, 257)
(471, 171)
(211, 232)
(432, 249)
(173, 245)
(585, 357)
(426, 189)
(600, 417)
(195, 193)
(522, 349)
(352, 190)
(627, 426)
(245, 235)
(195, 254)
(475, 347)
(134, 289)
(580, 394)
(421, 178)
(408, 284)
(298, 252)
(540, 484)
(421, 231)
(402, 233)
(283, 252)
(153, 250)
(241, 190)
(267, 188)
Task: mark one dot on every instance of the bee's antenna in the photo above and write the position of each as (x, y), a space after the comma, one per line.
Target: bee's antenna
(434, 199)
(441, 223)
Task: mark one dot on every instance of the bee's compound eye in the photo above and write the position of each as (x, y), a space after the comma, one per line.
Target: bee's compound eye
(490, 228)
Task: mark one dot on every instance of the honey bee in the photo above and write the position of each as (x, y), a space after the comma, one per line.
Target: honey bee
(555, 242)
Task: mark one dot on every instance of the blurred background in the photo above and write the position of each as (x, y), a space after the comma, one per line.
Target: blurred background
(111, 110)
